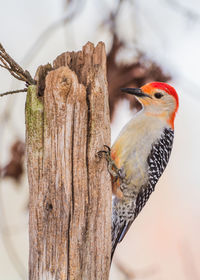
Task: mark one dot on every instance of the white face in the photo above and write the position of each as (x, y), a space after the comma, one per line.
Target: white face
(160, 103)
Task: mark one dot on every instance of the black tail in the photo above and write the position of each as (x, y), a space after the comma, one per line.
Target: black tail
(118, 233)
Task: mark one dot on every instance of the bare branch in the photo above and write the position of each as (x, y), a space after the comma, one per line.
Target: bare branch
(15, 75)
(14, 68)
(13, 92)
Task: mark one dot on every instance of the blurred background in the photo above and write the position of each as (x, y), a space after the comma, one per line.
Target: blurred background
(145, 41)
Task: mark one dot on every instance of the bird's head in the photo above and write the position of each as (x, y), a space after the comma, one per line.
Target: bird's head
(158, 99)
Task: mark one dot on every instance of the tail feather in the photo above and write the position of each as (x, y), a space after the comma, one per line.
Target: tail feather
(121, 221)
(118, 233)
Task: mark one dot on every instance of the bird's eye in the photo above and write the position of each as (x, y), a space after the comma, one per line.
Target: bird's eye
(158, 95)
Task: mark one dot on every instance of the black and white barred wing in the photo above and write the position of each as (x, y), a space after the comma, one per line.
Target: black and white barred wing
(157, 162)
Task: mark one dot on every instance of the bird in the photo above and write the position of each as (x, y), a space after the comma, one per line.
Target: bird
(140, 154)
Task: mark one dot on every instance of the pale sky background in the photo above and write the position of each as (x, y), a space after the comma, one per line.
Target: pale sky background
(163, 243)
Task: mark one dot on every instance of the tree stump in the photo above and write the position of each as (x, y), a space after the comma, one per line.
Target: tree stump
(67, 123)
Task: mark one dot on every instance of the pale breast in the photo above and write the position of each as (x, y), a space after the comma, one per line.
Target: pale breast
(133, 146)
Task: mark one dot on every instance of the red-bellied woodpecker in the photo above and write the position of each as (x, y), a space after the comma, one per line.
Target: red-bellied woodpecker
(140, 154)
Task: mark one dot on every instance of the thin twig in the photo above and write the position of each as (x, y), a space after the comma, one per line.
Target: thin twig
(14, 68)
(13, 92)
(15, 74)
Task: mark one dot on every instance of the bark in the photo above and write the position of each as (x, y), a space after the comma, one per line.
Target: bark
(70, 188)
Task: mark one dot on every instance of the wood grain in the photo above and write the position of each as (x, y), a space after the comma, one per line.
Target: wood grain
(70, 188)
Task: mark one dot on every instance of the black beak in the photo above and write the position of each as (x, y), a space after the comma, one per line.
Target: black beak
(135, 91)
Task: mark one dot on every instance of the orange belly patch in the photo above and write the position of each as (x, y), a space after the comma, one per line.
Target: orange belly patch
(116, 189)
(116, 184)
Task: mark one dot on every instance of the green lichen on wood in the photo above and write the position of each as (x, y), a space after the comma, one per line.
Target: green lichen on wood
(34, 118)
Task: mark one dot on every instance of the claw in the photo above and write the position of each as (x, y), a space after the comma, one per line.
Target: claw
(112, 168)
(115, 172)
(100, 153)
(109, 149)
(107, 153)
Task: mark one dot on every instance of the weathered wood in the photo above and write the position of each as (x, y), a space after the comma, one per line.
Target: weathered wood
(70, 188)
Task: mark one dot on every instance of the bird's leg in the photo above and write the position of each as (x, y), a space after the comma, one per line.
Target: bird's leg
(112, 168)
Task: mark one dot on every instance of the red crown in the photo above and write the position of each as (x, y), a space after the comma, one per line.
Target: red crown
(169, 89)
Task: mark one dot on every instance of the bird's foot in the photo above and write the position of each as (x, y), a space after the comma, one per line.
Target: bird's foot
(112, 168)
